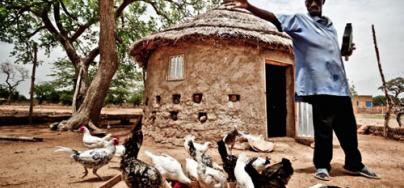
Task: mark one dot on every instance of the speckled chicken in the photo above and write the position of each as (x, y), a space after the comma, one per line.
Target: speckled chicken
(94, 158)
(136, 173)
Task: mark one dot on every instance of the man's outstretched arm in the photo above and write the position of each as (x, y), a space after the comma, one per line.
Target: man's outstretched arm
(266, 15)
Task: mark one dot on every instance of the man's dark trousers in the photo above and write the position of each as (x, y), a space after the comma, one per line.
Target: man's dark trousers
(334, 113)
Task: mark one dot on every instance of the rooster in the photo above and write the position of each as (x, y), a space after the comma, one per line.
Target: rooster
(169, 167)
(91, 141)
(136, 173)
(94, 158)
(275, 176)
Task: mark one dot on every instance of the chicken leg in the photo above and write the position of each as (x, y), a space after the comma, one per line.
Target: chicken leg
(95, 173)
(85, 172)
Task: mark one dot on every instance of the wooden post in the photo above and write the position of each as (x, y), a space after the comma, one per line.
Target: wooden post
(389, 101)
(31, 97)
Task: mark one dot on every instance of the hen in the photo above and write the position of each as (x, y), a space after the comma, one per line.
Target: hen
(91, 141)
(230, 139)
(199, 156)
(202, 148)
(169, 167)
(243, 178)
(136, 173)
(275, 176)
(210, 177)
(229, 161)
(94, 158)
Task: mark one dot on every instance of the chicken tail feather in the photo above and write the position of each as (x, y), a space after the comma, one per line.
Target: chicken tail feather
(66, 150)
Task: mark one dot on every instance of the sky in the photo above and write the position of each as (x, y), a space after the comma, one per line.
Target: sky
(361, 68)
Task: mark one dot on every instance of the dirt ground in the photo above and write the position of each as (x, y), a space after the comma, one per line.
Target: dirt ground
(28, 164)
(35, 164)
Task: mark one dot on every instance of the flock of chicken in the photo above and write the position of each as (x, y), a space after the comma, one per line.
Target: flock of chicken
(166, 171)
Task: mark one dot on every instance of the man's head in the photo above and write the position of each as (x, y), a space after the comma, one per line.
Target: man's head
(315, 7)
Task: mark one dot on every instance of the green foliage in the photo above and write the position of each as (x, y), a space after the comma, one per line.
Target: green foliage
(66, 97)
(394, 87)
(3, 91)
(379, 100)
(136, 98)
(73, 24)
(46, 92)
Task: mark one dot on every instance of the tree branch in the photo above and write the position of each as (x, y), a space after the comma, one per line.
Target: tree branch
(158, 11)
(67, 12)
(92, 55)
(83, 28)
(56, 15)
(121, 8)
(36, 31)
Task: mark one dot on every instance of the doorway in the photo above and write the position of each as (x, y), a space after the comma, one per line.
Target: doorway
(276, 100)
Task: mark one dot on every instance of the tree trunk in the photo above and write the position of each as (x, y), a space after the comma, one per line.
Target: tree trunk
(388, 98)
(90, 110)
(31, 97)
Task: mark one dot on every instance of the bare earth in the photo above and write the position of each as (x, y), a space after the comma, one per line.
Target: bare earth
(28, 164)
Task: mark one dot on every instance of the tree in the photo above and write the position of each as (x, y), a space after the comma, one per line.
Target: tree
(352, 90)
(46, 92)
(72, 25)
(14, 76)
(395, 87)
(107, 66)
(379, 100)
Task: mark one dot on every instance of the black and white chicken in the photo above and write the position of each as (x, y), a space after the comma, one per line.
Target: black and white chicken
(210, 177)
(136, 173)
(197, 155)
(229, 161)
(242, 177)
(202, 148)
(91, 141)
(94, 158)
(275, 176)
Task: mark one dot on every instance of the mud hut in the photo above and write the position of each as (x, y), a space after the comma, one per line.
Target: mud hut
(220, 69)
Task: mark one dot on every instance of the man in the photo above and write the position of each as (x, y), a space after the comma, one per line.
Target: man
(321, 81)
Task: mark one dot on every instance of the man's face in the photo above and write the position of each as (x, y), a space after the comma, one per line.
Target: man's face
(315, 7)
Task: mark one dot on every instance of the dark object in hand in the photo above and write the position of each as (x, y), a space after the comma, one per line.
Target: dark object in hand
(347, 45)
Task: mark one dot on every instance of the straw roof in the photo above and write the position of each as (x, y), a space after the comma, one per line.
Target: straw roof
(225, 24)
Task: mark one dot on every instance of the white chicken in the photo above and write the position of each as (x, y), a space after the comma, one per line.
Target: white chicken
(94, 158)
(169, 167)
(242, 177)
(210, 177)
(91, 141)
(202, 148)
(120, 150)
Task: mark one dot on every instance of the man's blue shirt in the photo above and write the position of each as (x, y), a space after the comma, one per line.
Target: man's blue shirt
(319, 68)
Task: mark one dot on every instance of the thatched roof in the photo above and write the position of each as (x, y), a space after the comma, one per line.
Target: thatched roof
(222, 23)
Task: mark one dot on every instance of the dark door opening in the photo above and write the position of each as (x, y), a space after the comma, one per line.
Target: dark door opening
(276, 100)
